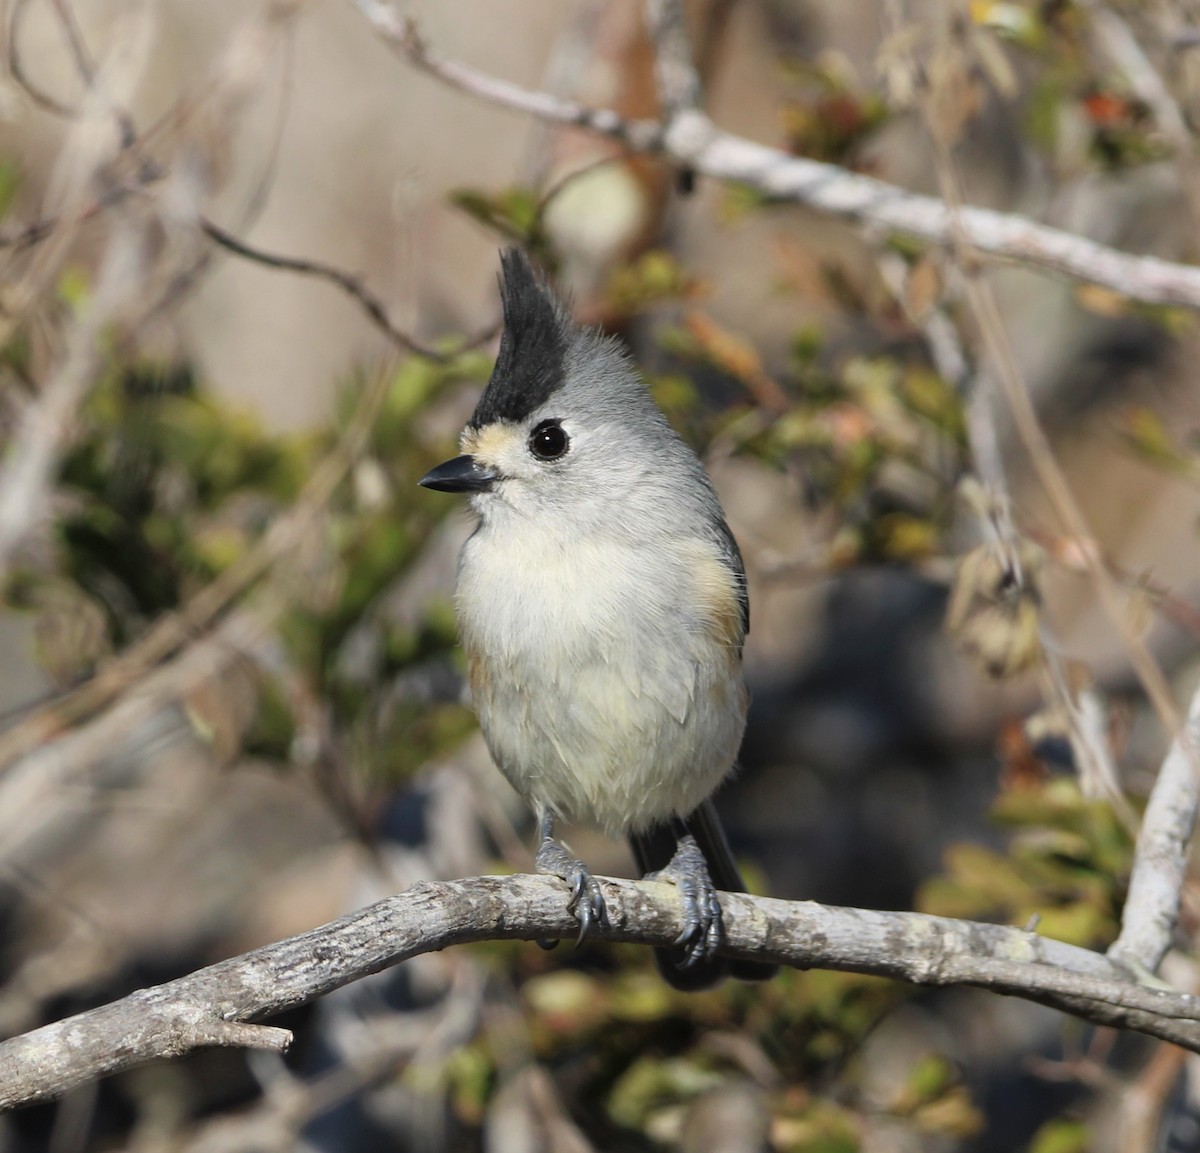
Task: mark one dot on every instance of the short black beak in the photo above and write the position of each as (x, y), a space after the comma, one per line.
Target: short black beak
(462, 474)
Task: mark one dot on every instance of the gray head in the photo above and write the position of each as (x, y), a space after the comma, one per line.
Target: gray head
(566, 428)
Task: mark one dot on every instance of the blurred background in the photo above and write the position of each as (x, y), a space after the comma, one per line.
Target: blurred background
(233, 702)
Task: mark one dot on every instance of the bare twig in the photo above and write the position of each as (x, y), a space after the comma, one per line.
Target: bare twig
(38, 230)
(999, 346)
(678, 81)
(200, 1009)
(401, 33)
(347, 282)
(16, 67)
(1161, 859)
(84, 64)
(1066, 554)
(350, 284)
(28, 468)
(255, 202)
(86, 161)
(694, 141)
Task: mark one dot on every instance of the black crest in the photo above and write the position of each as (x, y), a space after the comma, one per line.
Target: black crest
(533, 346)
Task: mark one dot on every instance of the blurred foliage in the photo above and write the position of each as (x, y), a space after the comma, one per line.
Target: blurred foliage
(1075, 114)
(1026, 25)
(832, 112)
(514, 215)
(653, 277)
(1064, 868)
(1143, 431)
(636, 1052)
(166, 487)
(879, 442)
(1061, 1136)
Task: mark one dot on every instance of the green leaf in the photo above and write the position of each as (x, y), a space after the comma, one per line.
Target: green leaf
(512, 214)
(10, 181)
(1060, 1136)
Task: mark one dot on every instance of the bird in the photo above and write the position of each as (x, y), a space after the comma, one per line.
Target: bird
(602, 605)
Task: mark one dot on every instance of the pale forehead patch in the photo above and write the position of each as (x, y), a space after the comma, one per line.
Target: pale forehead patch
(490, 443)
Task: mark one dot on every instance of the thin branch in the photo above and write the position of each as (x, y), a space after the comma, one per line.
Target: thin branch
(197, 1009)
(16, 67)
(695, 142)
(28, 469)
(347, 282)
(983, 304)
(254, 204)
(1065, 553)
(679, 88)
(401, 33)
(84, 64)
(1161, 858)
(36, 231)
(39, 230)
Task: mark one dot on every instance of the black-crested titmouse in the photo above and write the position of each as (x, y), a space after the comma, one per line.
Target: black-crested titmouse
(602, 606)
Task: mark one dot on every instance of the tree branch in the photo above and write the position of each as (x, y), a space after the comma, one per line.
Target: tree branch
(1161, 857)
(693, 141)
(203, 1008)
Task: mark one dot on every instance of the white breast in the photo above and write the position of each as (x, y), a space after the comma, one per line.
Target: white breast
(603, 690)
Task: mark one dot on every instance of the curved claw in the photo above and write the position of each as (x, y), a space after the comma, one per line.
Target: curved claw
(587, 901)
(703, 927)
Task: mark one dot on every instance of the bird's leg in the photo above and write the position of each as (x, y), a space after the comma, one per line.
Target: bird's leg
(703, 929)
(551, 859)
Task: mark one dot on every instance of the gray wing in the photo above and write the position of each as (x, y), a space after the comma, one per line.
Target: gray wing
(732, 554)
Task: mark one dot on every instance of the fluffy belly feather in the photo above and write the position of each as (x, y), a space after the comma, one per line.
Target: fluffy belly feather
(617, 708)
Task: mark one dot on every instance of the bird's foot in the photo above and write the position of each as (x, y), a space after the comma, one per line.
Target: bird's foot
(703, 928)
(587, 901)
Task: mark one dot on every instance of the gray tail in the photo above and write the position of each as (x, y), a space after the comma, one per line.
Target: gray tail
(653, 850)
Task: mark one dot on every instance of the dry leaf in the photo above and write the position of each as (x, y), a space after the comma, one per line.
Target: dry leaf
(994, 612)
(737, 357)
(1139, 610)
(923, 287)
(1101, 301)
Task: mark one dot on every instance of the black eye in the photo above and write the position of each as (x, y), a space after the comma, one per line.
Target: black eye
(549, 440)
